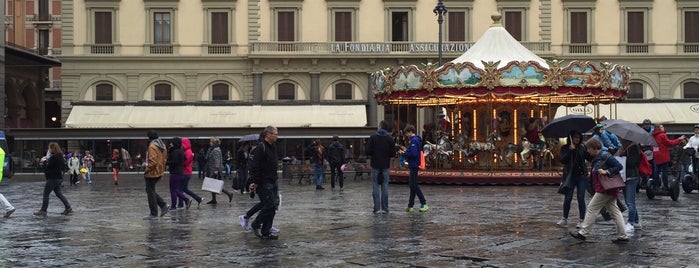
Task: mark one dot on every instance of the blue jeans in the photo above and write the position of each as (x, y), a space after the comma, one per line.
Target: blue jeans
(186, 190)
(88, 179)
(380, 199)
(55, 187)
(269, 198)
(228, 169)
(318, 174)
(580, 183)
(630, 198)
(415, 189)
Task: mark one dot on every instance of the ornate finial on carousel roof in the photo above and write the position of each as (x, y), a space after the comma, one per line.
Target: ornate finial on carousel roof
(496, 18)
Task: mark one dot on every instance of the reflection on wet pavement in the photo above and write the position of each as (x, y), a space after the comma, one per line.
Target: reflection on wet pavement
(467, 226)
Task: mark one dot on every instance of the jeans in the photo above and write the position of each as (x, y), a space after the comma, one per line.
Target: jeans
(580, 183)
(318, 174)
(88, 179)
(269, 198)
(154, 200)
(201, 167)
(336, 173)
(598, 201)
(630, 198)
(242, 174)
(228, 169)
(661, 173)
(254, 209)
(176, 189)
(415, 189)
(53, 186)
(380, 198)
(186, 190)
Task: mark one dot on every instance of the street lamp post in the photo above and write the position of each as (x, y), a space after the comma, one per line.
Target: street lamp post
(440, 10)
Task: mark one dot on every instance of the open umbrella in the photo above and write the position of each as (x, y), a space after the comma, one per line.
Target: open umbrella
(249, 137)
(562, 126)
(629, 131)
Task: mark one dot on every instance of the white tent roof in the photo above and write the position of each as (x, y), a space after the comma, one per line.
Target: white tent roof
(497, 44)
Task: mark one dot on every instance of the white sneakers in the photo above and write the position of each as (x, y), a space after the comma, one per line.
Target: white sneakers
(562, 222)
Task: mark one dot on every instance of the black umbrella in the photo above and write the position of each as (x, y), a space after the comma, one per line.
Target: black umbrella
(629, 131)
(562, 126)
(249, 137)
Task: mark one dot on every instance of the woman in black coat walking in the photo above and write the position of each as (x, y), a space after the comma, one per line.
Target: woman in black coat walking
(54, 166)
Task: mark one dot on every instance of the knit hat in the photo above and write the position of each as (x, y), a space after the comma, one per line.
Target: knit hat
(646, 121)
(152, 134)
(696, 126)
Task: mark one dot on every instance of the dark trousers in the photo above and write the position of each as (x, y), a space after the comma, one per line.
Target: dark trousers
(242, 174)
(176, 189)
(336, 171)
(53, 186)
(579, 182)
(269, 198)
(254, 209)
(186, 190)
(415, 189)
(154, 200)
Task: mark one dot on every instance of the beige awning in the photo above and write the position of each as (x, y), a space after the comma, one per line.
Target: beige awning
(188, 116)
(666, 112)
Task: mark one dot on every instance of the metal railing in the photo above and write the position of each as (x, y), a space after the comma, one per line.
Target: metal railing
(218, 49)
(161, 48)
(272, 48)
(641, 48)
(102, 48)
(690, 48)
(579, 49)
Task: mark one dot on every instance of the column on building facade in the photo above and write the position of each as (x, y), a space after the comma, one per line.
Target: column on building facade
(315, 88)
(132, 93)
(257, 88)
(372, 105)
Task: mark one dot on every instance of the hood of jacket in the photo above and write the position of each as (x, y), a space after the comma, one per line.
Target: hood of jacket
(186, 144)
(159, 143)
(382, 132)
(176, 142)
(657, 132)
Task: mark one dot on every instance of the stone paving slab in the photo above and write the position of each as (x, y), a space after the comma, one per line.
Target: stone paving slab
(466, 226)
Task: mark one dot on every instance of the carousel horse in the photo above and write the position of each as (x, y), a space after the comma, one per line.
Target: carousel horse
(533, 150)
(475, 147)
(507, 154)
(442, 150)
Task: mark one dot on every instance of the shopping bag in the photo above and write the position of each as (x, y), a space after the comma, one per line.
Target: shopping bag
(422, 161)
(622, 161)
(212, 185)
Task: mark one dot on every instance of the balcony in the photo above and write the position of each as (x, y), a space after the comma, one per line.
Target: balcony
(635, 48)
(54, 85)
(218, 49)
(44, 19)
(372, 48)
(161, 49)
(102, 49)
(690, 48)
(579, 48)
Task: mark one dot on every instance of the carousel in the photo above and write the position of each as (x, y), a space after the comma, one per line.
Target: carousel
(481, 114)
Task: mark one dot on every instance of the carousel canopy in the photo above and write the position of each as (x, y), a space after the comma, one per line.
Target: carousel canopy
(498, 68)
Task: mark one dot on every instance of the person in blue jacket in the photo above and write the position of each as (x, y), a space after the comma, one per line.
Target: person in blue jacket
(412, 154)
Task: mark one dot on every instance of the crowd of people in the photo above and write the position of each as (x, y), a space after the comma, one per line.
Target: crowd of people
(599, 152)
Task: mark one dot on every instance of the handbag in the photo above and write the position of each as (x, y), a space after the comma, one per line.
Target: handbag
(422, 161)
(212, 185)
(565, 183)
(611, 182)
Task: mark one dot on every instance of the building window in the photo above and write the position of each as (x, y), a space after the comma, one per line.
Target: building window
(514, 23)
(399, 26)
(399, 21)
(691, 27)
(163, 92)
(456, 26)
(161, 28)
(343, 25)
(218, 23)
(343, 91)
(689, 22)
(579, 26)
(691, 90)
(286, 26)
(636, 30)
(161, 25)
(635, 90)
(104, 92)
(42, 46)
(102, 19)
(286, 91)
(44, 10)
(220, 91)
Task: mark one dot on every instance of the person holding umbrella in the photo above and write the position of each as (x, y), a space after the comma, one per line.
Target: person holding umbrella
(573, 156)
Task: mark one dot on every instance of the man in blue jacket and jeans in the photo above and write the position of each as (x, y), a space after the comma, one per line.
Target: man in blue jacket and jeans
(380, 148)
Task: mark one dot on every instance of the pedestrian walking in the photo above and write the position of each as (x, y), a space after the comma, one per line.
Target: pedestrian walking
(412, 155)
(241, 165)
(116, 161)
(201, 163)
(315, 151)
(214, 167)
(573, 156)
(661, 155)
(156, 158)
(380, 148)
(74, 168)
(187, 172)
(603, 163)
(228, 159)
(9, 209)
(175, 163)
(88, 161)
(633, 177)
(54, 167)
(263, 174)
(336, 157)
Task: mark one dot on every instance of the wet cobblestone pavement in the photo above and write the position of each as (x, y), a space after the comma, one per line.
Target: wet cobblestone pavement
(466, 226)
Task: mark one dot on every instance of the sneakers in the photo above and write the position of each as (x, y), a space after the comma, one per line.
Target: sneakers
(578, 235)
(424, 208)
(274, 230)
(9, 212)
(68, 211)
(244, 223)
(164, 210)
(41, 213)
(637, 225)
(579, 225)
(199, 202)
(409, 209)
(562, 222)
(188, 202)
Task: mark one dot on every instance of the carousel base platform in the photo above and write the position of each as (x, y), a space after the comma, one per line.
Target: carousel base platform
(480, 177)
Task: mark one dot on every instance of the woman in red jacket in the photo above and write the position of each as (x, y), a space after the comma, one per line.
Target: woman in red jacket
(661, 154)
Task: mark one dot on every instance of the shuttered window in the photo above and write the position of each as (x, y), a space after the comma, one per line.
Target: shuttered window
(513, 24)
(691, 27)
(457, 26)
(103, 27)
(578, 27)
(635, 27)
(343, 26)
(219, 28)
(163, 92)
(104, 92)
(220, 91)
(285, 26)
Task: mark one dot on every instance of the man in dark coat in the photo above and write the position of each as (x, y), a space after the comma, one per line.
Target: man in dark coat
(380, 148)
(336, 157)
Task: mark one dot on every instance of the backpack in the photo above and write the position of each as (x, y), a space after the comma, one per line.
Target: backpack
(644, 167)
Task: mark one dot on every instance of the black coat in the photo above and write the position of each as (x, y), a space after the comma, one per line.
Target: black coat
(380, 148)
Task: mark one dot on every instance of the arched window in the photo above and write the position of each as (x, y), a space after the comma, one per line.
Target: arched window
(104, 92)
(220, 91)
(691, 90)
(286, 91)
(343, 91)
(635, 90)
(163, 92)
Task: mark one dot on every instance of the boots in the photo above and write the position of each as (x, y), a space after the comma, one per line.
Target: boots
(213, 199)
(67, 211)
(41, 213)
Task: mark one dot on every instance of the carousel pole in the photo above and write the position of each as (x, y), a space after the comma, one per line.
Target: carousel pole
(440, 10)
